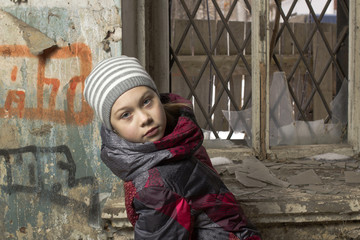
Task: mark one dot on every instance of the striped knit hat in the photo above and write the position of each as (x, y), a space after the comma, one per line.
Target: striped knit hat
(109, 80)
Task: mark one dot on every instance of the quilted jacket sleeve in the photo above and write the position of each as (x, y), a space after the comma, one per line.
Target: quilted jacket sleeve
(162, 215)
(130, 190)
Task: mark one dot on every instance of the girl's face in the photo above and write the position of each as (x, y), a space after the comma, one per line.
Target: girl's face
(138, 115)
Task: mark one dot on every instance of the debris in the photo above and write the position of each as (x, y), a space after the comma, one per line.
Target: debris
(265, 175)
(248, 182)
(232, 168)
(221, 169)
(219, 143)
(307, 162)
(330, 156)
(256, 170)
(276, 167)
(220, 161)
(325, 189)
(352, 164)
(353, 234)
(305, 178)
(340, 165)
(248, 165)
(352, 177)
(248, 191)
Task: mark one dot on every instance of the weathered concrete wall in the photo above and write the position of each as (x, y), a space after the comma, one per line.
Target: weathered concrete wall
(52, 182)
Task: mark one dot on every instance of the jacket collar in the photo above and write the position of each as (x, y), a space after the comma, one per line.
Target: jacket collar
(127, 160)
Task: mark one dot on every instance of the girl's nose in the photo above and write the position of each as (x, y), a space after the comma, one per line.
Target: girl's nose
(145, 118)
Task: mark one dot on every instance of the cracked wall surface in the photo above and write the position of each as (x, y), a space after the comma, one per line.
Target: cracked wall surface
(52, 182)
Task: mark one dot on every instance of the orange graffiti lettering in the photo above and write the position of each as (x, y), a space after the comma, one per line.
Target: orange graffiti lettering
(55, 87)
(63, 116)
(18, 97)
(14, 74)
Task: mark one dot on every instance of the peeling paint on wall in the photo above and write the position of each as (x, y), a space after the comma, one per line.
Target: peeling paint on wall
(36, 41)
(52, 182)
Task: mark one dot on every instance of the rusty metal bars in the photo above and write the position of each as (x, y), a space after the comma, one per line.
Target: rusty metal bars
(209, 58)
(332, 52)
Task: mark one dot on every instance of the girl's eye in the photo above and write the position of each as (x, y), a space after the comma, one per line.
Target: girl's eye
(147, 101)
(125, 115)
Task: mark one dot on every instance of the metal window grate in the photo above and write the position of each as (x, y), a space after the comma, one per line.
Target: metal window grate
(210, 56)
(331, 61)
(316, 68)
(215, 63)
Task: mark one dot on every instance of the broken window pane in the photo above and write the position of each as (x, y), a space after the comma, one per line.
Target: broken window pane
(284, 129)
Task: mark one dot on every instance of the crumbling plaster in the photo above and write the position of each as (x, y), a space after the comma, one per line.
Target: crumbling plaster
(52, 182)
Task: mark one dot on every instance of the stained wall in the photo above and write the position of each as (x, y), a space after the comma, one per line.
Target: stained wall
(52, 182)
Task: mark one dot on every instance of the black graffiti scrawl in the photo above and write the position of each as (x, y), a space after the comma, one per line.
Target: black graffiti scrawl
(36, 183)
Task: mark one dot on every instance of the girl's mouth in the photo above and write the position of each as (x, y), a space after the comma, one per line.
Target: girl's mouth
(152, 132)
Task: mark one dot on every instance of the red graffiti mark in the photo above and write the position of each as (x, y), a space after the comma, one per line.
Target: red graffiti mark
(55, 87)
(18, 97)
(66, 116)
(14, 74)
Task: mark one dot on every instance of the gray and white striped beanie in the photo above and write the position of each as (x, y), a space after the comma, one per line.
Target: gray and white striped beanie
(109, 80)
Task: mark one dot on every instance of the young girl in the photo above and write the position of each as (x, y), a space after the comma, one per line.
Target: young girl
(153, 143)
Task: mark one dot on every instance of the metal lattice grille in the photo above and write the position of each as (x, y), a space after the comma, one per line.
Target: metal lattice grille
(315, 28)
(212, 60)
(316, 71)
(210, 56)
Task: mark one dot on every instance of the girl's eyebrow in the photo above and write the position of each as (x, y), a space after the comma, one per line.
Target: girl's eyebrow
(121, 109)
(146, 94)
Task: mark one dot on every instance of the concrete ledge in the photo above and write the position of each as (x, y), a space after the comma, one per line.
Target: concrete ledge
(236, 152)
(328, 208)
(303, 209)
